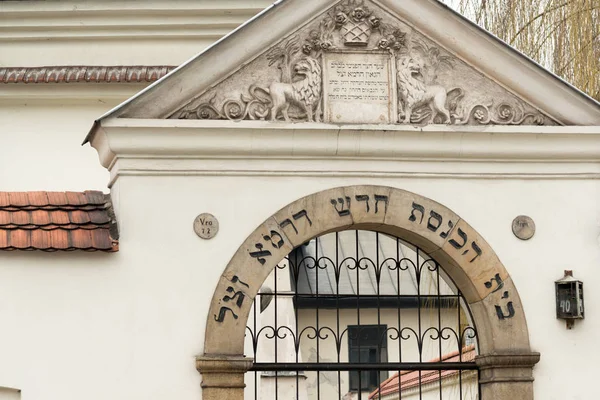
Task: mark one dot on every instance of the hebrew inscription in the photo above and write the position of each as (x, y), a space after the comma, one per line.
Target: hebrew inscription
(234, 295)
(358, 89)
(372, 204)
(498, 284)
(301, 223)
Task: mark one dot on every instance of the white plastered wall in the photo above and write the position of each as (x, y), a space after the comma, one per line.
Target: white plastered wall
(128, 325)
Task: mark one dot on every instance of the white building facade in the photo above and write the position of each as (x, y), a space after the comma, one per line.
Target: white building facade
(398, 117)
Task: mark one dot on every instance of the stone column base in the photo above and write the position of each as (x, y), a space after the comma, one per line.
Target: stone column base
(507, 376)
(223, 376)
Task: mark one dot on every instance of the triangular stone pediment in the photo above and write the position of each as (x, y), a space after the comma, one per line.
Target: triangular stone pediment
(363, 62)
(358, 63)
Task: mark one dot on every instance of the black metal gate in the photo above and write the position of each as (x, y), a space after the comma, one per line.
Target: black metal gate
(360, 315)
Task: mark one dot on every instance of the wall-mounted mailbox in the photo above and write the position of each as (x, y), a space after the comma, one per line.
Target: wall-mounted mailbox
(569, 299)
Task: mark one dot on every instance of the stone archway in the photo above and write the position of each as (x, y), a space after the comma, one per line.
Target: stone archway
(506, 360)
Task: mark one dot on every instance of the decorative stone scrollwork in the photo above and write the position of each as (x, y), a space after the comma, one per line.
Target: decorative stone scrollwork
(318, 65)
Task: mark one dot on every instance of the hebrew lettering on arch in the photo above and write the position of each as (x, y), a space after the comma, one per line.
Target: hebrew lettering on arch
(365, 198)
(437, 221)
(238, 296)
(378, 198)
(236, 279)
(297, 216)
(275, 238)
(419, 208)
(464, 238)
(260, 254)
(499, 282)
(500, 312)
(477, 250)
(444, 235)
(223, 312)
(342, 206)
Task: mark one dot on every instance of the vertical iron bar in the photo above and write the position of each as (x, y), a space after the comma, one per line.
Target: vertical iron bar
(420, 338)
(399, 318)
(276, 327)
(337, 308)
(295, 274)
(358, 313)
(317, 316)
(460, 355)
(378, 281)
(255, 348)
(439, 309)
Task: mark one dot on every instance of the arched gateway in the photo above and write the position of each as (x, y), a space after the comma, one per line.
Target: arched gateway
(505, 361)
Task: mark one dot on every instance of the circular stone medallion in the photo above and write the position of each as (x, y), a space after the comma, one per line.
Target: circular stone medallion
(206, 226)
(523, 227)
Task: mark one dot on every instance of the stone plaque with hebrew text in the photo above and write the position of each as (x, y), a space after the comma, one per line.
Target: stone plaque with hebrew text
(358, 88)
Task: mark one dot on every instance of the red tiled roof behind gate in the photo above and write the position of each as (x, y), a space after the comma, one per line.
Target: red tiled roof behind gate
(52, 221)
(409, 379)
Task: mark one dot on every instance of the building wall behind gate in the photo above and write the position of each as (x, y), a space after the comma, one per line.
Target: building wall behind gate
(128, 325)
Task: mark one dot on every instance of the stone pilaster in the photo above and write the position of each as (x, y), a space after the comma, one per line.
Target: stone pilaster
(507, 376)
(223, 376)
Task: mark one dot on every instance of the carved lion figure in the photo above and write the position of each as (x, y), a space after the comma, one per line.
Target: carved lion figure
(416, 93)
(305, 93)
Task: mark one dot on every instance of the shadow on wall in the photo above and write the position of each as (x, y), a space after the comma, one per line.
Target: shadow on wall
(9, 394)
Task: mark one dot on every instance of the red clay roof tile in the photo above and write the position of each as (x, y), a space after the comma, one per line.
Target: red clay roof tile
(4, 199)
(85, 73)
(4, 239)
(52, 221)
(20, 238)
(57, 198)
(75, 198)
(408, 379)
(94, 197)
(40, 217)
(19, 199)
(80, 239)
(40, 239)
(20, 218)
(59, 217)
(38, 198)
(79, 217)
(59, 239)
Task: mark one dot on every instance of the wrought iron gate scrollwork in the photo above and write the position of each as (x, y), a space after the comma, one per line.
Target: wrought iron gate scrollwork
(360, 315)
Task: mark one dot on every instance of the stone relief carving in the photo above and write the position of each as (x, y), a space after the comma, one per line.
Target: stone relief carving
(287, 82)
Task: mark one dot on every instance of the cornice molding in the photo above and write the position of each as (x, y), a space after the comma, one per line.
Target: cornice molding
(68, 20)
(75, 93)
(183, 147)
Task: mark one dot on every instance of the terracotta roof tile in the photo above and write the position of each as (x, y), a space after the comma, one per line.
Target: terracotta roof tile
(57, 198)
(59, 239)
(4, 240)
(4, 199)
(20, 218)
(410, 379)
(52, 221)
(84, 73)
(20, 238)
(38, 198)
(76, 199)
(41, 239)
(19, 199)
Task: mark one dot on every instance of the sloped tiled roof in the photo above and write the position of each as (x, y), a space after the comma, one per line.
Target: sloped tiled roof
(409, 379)
(84, 73)
(53, 221)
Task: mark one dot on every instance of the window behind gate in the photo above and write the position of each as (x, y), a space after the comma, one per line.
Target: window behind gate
(360, 315)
